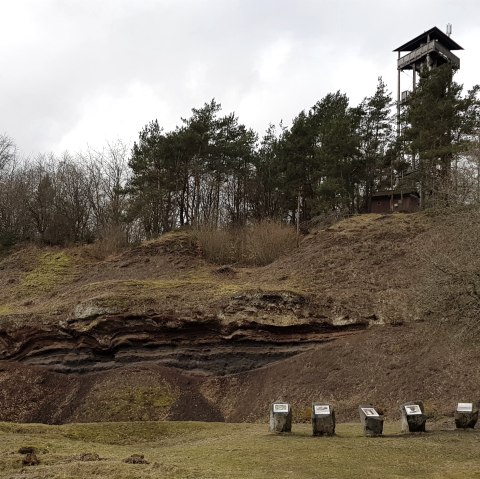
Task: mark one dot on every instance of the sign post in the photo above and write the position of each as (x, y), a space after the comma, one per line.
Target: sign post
(466, 415)
(413, 417)
(372, 421)
(323, 419)
(280, 417)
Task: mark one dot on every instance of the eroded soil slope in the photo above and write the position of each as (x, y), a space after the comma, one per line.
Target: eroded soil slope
(383, 365)
(158, 332)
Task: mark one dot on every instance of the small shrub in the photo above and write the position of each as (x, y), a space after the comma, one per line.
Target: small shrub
(217, 245)
(258, 244)
(112, 239)
(7, 239)
(136, 459)
(266, 241)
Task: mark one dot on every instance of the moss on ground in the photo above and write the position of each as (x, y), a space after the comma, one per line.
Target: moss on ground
(127, 292)
(5, 310)
(51, 270)
(131, 403)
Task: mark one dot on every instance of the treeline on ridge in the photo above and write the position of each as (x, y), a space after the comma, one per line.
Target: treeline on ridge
(212, 171)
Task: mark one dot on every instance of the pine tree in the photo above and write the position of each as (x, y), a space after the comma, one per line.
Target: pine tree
(376, 139)
(439, 122)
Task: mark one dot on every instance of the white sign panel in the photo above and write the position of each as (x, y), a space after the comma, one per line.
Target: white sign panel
(321, 410)
(369, 411)
(280, 407)
(413, 409)
(465, 407)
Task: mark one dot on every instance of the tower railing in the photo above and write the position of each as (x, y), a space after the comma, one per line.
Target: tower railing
(424, 50)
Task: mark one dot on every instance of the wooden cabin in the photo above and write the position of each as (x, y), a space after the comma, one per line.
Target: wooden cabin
(394, 201)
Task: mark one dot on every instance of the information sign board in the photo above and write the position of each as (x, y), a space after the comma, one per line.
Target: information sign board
(370, 412)
(280, 407)
(321, 410)
(465, 407)
(413, 409)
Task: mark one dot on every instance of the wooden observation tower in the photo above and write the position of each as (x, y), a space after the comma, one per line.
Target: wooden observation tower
(428, 50)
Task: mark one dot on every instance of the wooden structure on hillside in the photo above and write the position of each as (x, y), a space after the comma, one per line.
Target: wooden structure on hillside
(427, 50)
(394, 201)
(430, 49)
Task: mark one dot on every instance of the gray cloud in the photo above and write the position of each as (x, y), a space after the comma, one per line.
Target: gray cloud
(86, 71)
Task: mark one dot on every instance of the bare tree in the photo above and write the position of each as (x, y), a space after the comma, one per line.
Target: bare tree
(40, 195)
(72, 208)
(8, 151)
(108, 174)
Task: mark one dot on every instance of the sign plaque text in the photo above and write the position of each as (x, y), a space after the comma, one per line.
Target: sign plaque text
(320, 410)
(413, 409)
(465, 407)
(370, 412)
(280, 407)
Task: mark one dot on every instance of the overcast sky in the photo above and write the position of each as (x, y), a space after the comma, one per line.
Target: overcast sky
(83, 72)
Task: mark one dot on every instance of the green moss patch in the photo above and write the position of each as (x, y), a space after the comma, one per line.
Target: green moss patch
(130, 403)
(124, 293)
(52, 269)
(5, 310)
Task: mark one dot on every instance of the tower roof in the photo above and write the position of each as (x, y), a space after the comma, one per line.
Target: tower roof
(434, 34)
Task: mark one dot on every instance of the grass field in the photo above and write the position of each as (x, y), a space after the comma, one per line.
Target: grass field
(219, 450)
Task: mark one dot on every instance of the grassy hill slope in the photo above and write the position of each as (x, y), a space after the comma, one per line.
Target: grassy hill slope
(365, 310)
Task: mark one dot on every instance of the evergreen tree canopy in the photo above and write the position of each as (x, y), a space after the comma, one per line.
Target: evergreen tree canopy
(439, 122)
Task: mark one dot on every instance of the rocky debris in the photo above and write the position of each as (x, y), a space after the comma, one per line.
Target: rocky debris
(30, 458)
(225, 272)
(136, 459)
(268, 306)
(91, 309)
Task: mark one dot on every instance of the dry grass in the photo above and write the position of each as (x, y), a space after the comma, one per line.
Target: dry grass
(267, 241)
(234, 451)
(112, 240)
(361, 267)
(450, 283)
(355, 222)
(256, 245)
(131, 294)
(355, 265)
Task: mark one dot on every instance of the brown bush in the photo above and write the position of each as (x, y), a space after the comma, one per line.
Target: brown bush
(268, 240)
(112, 239)
(216, 245)
(258, 244)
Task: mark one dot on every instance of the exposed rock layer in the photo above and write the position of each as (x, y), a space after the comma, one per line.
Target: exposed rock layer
(209, 346)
